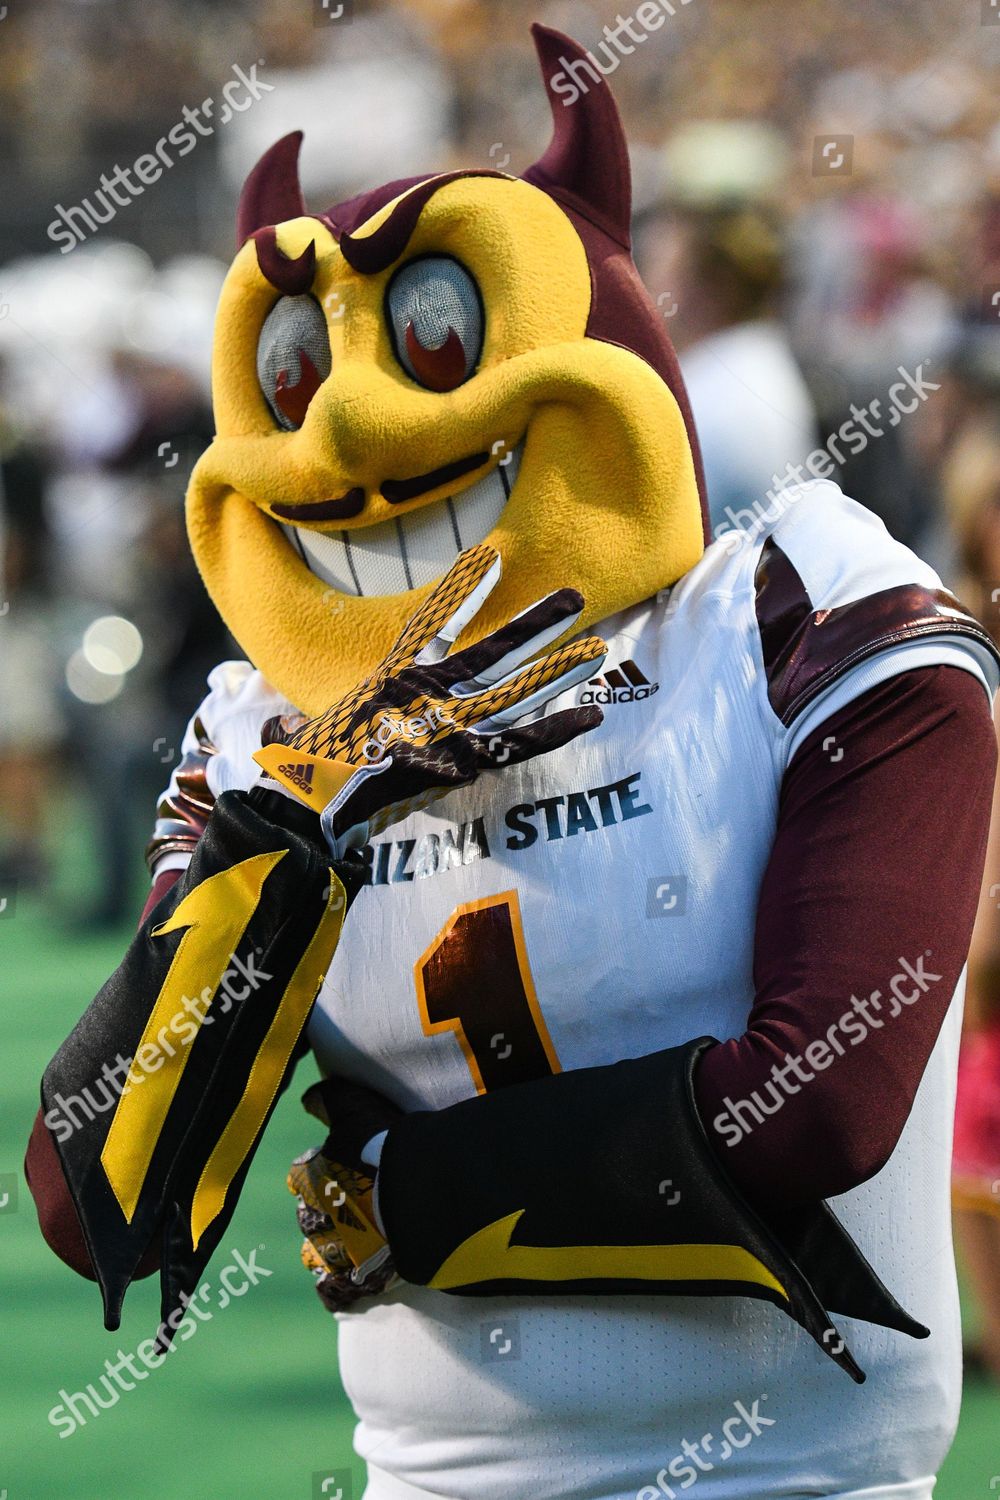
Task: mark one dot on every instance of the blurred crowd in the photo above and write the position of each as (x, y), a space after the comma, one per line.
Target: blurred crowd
(817, 203)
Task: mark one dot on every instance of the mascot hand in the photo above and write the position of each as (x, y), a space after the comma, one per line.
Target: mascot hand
(426, 722)
(344, 1247)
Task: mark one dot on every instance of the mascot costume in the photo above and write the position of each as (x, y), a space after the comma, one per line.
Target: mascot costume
(615, 971)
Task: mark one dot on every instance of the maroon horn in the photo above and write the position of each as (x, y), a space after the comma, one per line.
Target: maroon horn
(271, 194)
(586, 163)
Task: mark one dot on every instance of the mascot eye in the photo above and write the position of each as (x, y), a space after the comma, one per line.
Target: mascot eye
(435, 317)
(293, 358)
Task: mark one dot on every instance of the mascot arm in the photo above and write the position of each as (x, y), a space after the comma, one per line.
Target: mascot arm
(57, 1216)
(614, 1179)
(603, 1180)
(157, 1101)
(864, 921)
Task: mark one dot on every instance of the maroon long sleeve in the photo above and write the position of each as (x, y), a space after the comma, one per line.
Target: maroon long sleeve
(57, 1216)
(876, 865)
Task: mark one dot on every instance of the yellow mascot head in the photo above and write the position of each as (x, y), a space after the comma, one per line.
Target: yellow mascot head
(445, 360)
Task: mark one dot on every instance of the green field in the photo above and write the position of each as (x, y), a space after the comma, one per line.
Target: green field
(251, 1405)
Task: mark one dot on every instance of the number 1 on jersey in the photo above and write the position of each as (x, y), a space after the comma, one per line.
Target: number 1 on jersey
(475, 980)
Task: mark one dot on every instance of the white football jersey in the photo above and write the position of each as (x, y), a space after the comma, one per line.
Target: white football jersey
(631, 861)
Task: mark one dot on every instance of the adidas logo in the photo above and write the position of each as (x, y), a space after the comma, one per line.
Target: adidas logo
(625, 683)
(300, 776)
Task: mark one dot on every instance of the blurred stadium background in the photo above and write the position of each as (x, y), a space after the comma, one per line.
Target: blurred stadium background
(817, 203)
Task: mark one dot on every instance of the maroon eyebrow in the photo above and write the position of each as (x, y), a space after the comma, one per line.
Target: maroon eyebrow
(288, 275)
(376, 252)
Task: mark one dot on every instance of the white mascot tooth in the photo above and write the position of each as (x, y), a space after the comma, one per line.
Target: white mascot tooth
(410, 550)
(478, 510)
(326, 556)
(375, 554)
(430, 540)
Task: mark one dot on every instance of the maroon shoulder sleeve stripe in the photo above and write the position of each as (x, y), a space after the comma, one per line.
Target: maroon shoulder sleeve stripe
(807, 649)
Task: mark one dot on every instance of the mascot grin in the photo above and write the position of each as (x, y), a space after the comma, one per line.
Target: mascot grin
(455, 359)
